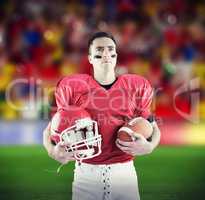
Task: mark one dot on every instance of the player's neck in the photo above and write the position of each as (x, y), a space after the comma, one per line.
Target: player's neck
(105, 78)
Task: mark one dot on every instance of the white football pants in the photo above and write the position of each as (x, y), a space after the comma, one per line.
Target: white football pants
(105, 182)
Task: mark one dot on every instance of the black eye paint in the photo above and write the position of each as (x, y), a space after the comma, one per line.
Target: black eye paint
(98, 57)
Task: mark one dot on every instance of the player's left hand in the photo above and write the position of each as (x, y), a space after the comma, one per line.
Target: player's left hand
(135, 148)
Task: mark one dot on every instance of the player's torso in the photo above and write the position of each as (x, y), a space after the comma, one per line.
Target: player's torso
(110, 108)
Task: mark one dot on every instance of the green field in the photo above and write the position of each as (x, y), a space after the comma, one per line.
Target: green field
(170, 173)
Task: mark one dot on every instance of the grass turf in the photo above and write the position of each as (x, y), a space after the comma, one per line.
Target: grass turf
(169, 173)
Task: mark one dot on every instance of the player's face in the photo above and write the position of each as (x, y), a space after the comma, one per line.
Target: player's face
(103, 54)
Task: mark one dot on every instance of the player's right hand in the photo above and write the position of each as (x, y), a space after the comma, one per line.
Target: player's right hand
(60, 154)
(57, 152)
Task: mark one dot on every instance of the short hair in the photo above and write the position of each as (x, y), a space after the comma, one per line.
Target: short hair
(100, 35)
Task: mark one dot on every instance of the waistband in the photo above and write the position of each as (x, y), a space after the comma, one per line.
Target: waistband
(100, 166)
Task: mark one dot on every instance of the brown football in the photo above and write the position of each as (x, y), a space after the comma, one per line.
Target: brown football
(138, 125)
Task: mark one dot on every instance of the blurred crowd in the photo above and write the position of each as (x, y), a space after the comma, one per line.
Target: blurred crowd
(43, 40)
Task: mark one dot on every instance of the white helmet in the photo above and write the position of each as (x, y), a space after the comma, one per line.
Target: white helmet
(76, 128)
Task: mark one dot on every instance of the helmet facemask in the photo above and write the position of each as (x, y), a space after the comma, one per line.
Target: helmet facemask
(83, 139)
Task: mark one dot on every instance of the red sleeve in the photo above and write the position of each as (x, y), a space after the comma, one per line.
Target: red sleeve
(144, 100)
(63, 95)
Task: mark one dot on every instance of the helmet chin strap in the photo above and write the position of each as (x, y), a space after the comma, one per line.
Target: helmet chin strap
(59, 168)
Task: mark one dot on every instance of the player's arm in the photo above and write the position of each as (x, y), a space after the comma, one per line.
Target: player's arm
(156, 135)
(144, 146)
(46, 140)
(57, 152)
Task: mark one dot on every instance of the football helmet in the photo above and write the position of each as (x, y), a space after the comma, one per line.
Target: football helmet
(79, 132)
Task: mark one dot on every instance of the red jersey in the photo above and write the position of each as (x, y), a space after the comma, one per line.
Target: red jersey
(130, 96)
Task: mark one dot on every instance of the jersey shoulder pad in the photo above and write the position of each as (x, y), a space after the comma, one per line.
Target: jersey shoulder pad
(134, 80)
(73, 78)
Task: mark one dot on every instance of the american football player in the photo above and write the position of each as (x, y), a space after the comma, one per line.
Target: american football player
(110, 100)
